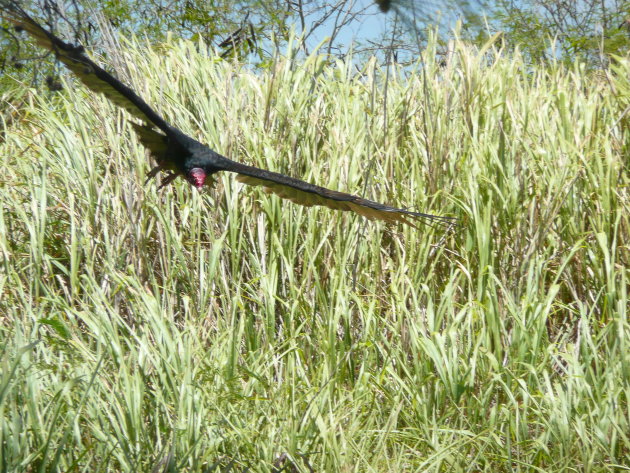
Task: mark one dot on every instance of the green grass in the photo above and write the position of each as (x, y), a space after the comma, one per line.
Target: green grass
(173, 330)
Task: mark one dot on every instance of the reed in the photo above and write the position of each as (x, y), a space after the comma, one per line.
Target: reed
(172, 330)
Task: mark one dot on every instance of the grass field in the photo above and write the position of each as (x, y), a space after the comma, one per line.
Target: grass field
(172, 330)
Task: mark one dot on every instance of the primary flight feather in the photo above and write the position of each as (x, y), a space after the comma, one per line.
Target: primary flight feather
(181, 155)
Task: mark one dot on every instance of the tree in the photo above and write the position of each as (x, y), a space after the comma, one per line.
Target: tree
(180, 155)
(587, 29)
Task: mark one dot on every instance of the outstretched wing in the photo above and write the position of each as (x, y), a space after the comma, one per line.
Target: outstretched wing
(91, 74)
(99, 80)
(420, 14)
(306, 194)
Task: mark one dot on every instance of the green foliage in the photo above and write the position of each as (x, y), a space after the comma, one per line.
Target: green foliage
(209, 21)
(87, 22)
(589, 30)
(226, 330)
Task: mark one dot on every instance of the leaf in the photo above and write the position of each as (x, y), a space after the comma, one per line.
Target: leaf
(57, 325)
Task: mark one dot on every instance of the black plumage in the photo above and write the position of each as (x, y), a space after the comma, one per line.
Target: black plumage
(181, 155)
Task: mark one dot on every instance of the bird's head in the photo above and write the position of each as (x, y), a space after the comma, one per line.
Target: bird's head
(197, 177)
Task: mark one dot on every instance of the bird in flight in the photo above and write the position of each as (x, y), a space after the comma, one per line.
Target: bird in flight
(181, 155)
(420, 14)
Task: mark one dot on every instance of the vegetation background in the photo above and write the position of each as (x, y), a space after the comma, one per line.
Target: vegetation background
(171, 330)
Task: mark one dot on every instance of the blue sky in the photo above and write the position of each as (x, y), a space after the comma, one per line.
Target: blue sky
(375, 22)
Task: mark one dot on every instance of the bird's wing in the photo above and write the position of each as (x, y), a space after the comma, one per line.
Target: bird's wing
(303, 193)
(91, 74)
(99, 80)
(155, 142)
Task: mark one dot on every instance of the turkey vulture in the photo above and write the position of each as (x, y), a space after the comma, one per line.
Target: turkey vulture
(181, 155)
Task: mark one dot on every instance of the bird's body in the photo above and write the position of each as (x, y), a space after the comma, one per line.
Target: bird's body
(181, 155)
(384, 5)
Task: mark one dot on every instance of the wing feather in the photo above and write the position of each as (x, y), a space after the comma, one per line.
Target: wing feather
(91, 74)
(298, 191)
(303, 193)
(155, 142)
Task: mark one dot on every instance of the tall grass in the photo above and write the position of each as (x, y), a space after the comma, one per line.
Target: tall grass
(228, 330)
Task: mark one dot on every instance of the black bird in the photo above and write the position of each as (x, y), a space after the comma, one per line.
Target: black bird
(384, 5)
(181, 155)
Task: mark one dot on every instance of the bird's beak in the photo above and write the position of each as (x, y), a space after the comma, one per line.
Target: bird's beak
(197, 177)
